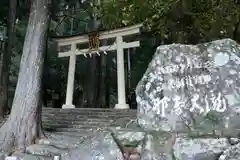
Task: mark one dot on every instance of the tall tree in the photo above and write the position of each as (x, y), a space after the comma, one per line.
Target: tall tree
(6, 58)
(93, 81)
(21, 128)
(102, 99)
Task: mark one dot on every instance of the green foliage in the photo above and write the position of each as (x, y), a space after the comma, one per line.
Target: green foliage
(172, 21)
(142, 58)
(177, 20)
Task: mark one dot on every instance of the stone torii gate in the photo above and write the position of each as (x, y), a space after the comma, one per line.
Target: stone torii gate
(119, 45)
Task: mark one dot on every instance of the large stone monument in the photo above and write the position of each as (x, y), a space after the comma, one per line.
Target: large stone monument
(189, 87)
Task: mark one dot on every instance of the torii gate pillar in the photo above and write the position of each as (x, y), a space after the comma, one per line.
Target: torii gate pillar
(120, 75)
(70, 78)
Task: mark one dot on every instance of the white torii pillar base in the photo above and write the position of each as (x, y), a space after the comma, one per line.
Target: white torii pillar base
(121, 106)
(68, 106)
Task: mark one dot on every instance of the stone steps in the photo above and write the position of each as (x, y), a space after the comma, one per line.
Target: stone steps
(93, 114)
(90, 110)
(90, 114)
(66, 120)
(79, 119)
(76, 120)
(79, 134)
(76, 116)
(62, 129)
(86, 125)
(76, 128)
(81, 114)
(81, 124)
(79, 129)
(26, 156)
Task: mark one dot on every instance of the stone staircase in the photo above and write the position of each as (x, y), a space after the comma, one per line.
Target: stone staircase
(80, 119)
(66, 129)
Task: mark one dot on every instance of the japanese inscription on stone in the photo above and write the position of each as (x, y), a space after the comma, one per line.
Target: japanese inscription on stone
(185, 82)
(212, 101)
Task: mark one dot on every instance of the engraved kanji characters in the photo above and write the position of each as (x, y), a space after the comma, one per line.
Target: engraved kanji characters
(219, 103)
(178, 105)
(195, 105)
(160, 106)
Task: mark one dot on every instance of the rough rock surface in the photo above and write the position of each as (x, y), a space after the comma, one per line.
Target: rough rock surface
(191, 86)
(45, 150)
(232, 153)
(186, 148)
(34, 157)
(130, 138)
(157, 146)
(100, 147)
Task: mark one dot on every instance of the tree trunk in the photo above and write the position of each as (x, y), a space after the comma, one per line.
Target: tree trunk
(7, 56)
(235, 32)
(93, 82)
(1, 90)
(107, 89)
(21, 128)
(102, 84)
(92, 79)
